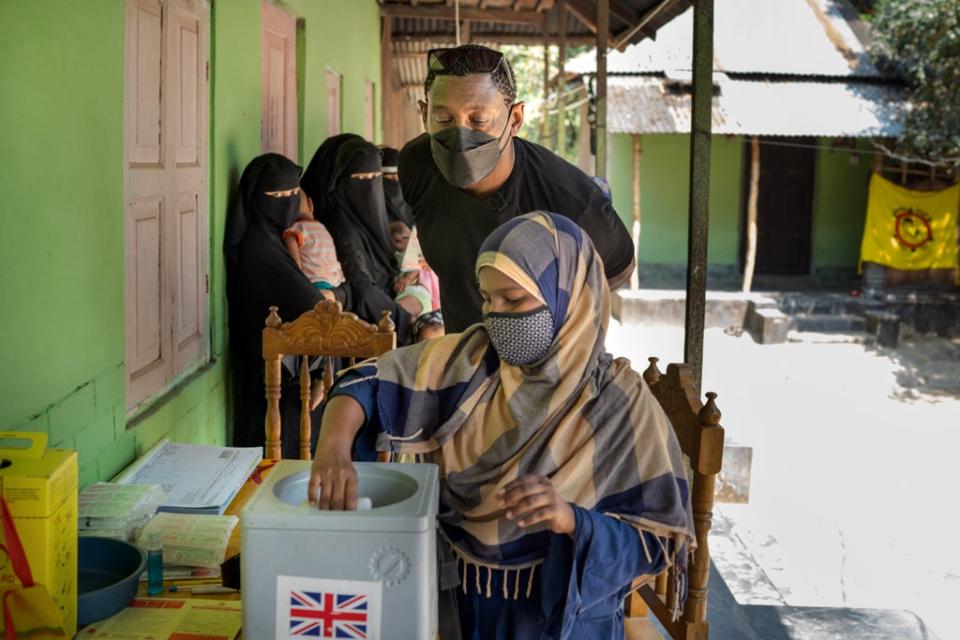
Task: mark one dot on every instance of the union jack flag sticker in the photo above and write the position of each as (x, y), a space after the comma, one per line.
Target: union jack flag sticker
(319, 608)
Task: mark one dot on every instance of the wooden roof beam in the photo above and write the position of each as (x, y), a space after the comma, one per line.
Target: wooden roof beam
(587, 15)
(622, 12)
(582, 12)
(442, 37)
(622, 39)
(466, 13)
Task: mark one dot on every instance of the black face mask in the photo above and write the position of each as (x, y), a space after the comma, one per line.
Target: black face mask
(279, 213)
(363, 196)
(397, 207)
(466, 156)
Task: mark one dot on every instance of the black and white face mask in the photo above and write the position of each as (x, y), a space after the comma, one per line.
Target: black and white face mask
(521, 338)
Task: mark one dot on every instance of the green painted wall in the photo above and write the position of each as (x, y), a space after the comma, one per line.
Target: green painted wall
(664, 178)
(61, 204)
(839, 208)
(343, 37)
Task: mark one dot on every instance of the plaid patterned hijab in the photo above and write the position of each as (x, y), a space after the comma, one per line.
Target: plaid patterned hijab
(579, 417)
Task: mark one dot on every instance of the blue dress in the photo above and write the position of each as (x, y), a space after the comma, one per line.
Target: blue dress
(578, 590)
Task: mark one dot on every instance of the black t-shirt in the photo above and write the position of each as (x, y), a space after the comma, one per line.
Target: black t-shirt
(452, 224)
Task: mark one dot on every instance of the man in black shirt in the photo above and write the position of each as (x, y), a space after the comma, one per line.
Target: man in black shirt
(470, 173)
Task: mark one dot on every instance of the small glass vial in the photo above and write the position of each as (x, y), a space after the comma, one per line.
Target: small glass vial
(154, 566)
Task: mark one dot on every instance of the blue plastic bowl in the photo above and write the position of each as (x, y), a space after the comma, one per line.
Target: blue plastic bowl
(108, 574)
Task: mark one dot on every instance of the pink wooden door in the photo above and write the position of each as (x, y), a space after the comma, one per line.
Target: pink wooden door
(166, 192)
(369, 112)
(333, 103)
(278, 126)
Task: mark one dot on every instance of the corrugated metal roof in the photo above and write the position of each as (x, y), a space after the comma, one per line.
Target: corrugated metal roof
(771, 37)
(750, 107)
(622, 16)
(415, 35)
(642, 105)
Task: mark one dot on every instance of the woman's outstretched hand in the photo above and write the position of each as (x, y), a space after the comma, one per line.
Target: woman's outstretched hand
(333, 478)
(533, 499)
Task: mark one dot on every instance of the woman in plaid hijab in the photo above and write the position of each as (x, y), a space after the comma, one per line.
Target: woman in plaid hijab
(561, 478)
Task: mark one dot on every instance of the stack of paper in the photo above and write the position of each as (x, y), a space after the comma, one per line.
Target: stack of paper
(117, 510)
(190, 540)
(168, 619)
(197, 478)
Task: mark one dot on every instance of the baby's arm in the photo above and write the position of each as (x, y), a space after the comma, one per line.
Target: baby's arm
(294, 248)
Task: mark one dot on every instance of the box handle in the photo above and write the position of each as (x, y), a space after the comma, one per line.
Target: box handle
(22, 444)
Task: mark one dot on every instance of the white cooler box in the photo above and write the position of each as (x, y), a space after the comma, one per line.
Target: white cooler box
(341, 574)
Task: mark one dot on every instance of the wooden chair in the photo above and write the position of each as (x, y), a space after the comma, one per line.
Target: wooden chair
(701, 438)
(325, 330)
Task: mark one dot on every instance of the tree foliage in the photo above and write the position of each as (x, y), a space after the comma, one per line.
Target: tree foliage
(920, 40)
(527, 63)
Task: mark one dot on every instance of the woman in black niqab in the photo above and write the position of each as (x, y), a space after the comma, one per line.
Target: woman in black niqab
(351, 205)
(397, 208)
(261, 273)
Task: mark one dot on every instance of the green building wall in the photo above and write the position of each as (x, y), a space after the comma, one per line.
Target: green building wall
(838, 210)
(664, 198)
(61, 203)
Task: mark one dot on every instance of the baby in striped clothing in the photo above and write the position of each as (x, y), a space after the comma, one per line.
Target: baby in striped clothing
(312, 248)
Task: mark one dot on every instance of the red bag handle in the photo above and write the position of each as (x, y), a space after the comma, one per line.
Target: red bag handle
(11, 632)
(18, 559)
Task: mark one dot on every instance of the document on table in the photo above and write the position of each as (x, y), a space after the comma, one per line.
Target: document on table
(169, 619)
(197, 478)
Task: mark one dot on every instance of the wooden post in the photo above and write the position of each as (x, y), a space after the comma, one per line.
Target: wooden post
(391, 117)
(305, 426)
(546, 78)
(272, 384)
(561, 82)
(751, 250)
(701, 502)
(698, 221)
(603, 34)
(635, 231)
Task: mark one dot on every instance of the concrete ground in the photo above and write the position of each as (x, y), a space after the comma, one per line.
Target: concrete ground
(853, 495)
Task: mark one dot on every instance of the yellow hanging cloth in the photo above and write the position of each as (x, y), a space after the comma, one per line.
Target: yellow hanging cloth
(908, 229)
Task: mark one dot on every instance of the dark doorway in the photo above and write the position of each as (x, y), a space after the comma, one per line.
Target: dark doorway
(784, 205)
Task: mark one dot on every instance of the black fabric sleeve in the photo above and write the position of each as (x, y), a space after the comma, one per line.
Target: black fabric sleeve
(414, 167)
(610, 236)
(353, 260)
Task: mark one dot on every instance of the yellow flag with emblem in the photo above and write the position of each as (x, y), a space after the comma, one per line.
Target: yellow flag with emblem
(908, 229)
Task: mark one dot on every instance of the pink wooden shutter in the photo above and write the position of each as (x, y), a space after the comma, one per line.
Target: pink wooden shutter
(147, 339)
(333, 103)
(279, 82)
(166, 193)
(369, 117)
(189, 220)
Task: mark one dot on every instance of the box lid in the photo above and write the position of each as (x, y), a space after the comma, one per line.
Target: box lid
(35, 480)
(404, 498)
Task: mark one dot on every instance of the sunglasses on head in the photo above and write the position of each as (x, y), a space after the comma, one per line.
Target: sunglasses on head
(476, 60)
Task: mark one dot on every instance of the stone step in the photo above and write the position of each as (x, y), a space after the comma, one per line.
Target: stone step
(846, 337)
(828, 323)
(815, 623)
